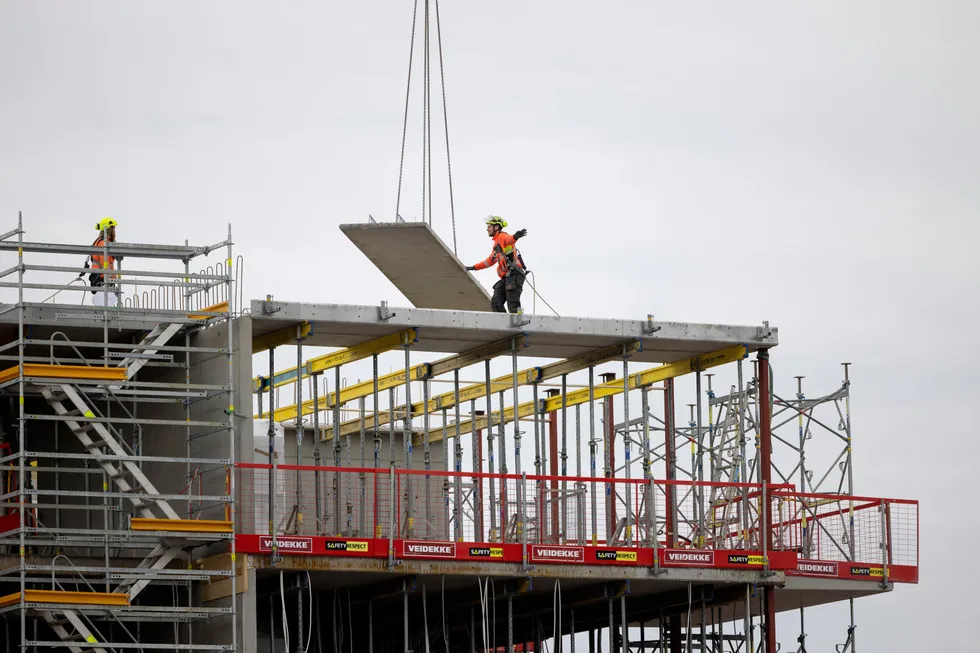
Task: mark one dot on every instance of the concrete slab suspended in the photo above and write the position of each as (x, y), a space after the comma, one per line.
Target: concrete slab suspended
(339, 325)
(419, 264)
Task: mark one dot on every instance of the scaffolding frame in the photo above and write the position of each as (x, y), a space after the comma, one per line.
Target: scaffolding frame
(52, 497)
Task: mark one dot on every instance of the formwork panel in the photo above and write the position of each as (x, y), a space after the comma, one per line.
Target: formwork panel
(419, 264)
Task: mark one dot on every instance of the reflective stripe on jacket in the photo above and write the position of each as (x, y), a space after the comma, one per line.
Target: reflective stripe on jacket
(97, 259)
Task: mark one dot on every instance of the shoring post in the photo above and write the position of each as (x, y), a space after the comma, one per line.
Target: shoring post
(612, 625)
(699, 493)
(361, 405)
(370, 619)
(426, 458)
(608, 445)
(407, 430)
(670, 454)
(447, 466)
(542, 525)
(743, 462)
(765, 415)
(317, 461)
(338, 529)
(522, 520)
(517, 422)
(503, 466)
(458, 467)
(592, 457)
(477, 447)
(392, 513)
(299, 430)
(490, 461)
(273, 461)
(626, 454)
(564, 460)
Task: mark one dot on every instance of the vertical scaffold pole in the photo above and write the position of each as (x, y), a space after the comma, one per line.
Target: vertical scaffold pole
(391, 427)
(517, 421)
(273, 455)
(299, 431)
(503, 467)
(232, 516)
(564, 459)
(626, 456)
(447, 465)
(426, 458)
(477, 480)
(699, 494)
(490, 461)
(670, 453)
(409, 502)
(457, 481)
(361, 477)
(317, 461)
(647, 468)
(742, 467)
(338, 528)
(538, 471)
(592, 456)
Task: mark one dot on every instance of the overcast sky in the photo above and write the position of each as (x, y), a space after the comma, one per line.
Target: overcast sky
(816, 166)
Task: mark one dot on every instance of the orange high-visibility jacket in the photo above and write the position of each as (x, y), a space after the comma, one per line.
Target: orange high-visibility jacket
(97, 261)
(506, 243)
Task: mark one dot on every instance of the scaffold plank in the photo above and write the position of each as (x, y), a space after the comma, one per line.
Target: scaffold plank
(65, 598)
(180, 525)
(419, 264)
(45, 371)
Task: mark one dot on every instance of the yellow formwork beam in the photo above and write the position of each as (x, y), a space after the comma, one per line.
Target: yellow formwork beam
(363, 389)
(281, 337)
(637, 380)
(395, 379)
(649, 377)
(336, 358)
(478, 390)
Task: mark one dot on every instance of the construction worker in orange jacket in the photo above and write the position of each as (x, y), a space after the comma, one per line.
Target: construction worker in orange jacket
(510, 266)
(107, 234)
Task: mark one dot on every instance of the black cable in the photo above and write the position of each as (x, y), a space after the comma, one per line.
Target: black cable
(445, 121)
(408, 88)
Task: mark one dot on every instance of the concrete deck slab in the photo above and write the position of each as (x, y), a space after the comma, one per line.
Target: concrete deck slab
(338, 325)
(419, 264)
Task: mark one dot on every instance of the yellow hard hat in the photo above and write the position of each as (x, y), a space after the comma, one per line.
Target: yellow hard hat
(105, 223)
(497, 220)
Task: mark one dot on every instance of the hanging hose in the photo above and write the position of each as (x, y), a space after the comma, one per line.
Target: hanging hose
(556, 617)
(282, 595)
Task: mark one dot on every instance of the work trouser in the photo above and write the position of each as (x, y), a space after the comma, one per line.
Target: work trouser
(508, 288)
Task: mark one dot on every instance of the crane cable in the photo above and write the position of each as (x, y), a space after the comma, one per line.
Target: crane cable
(427, 119)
